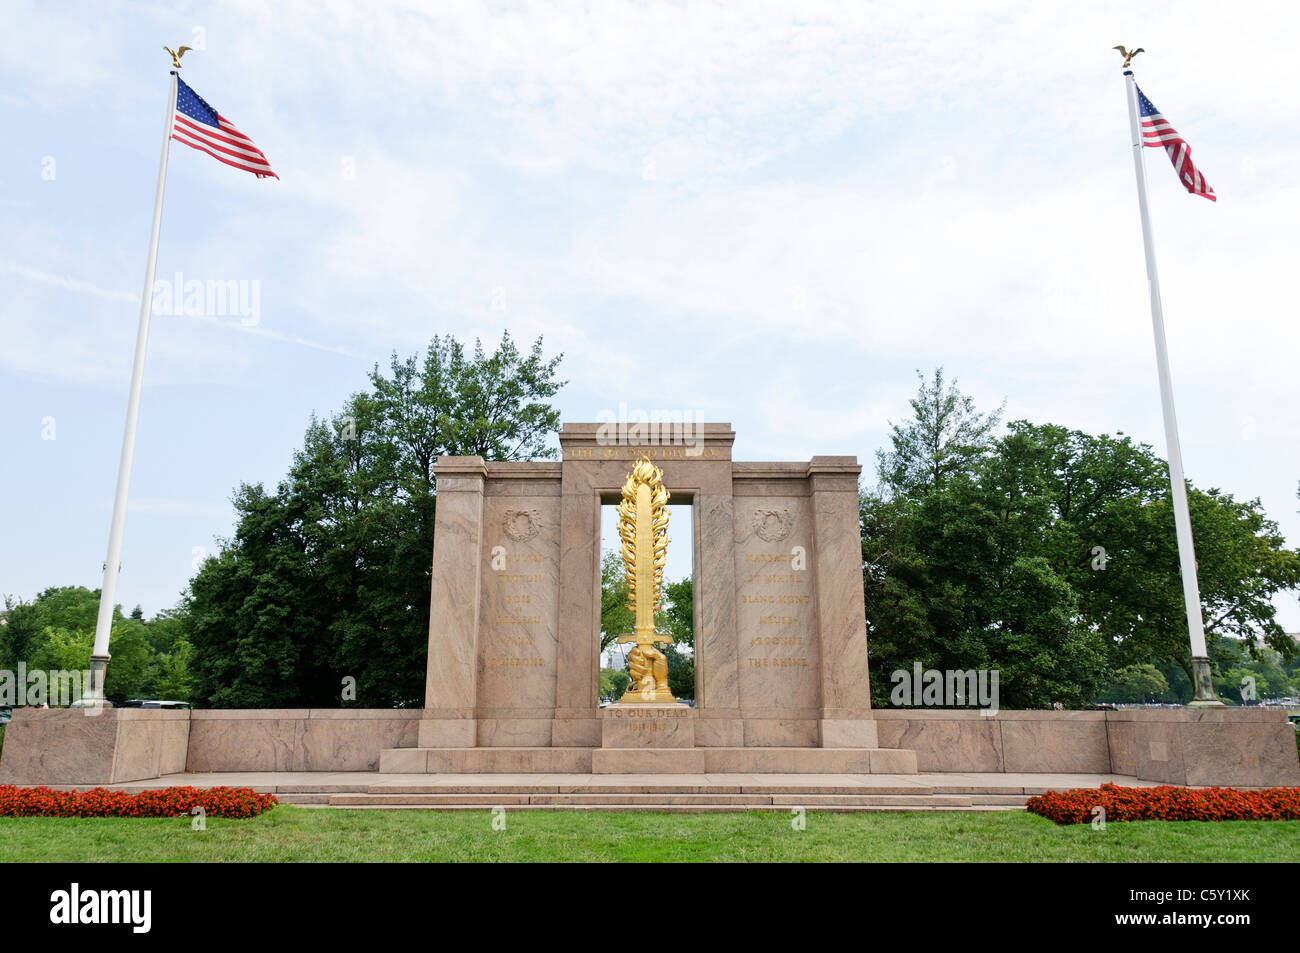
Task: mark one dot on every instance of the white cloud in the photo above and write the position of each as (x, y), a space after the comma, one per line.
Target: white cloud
(781, 210)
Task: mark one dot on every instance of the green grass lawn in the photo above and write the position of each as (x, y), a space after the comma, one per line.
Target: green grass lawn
(290, 833)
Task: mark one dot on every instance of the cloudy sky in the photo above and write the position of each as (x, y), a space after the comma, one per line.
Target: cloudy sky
(782, 210)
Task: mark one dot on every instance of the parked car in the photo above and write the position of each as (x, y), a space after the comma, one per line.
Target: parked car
(87, 703)
(155, 703)
(6, 714)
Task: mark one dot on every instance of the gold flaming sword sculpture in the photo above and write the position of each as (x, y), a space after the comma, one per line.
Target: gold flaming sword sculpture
(643, 528)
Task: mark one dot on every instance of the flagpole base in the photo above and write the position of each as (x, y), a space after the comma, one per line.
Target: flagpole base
(1203, 686)
(95, 687)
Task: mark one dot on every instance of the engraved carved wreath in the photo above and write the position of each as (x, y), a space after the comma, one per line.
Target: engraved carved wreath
(522, 525)
(773, 525)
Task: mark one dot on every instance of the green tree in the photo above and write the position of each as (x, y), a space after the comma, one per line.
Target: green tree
(1135, 684)
(615, 617)
(681, 672)
(1109, 531)
(677, 617)
(946, 436)
(613, 683)
(55, 632)
(74, 608)
(951, 583)
(954, 572)
(328, 577)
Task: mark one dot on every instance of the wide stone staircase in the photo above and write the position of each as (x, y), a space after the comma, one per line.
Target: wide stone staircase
(674, 795)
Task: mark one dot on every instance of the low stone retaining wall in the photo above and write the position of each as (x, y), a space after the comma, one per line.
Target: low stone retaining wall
(297, 739)
(67, 746)
(1243, 747)
(1246, 748)
(77, 746)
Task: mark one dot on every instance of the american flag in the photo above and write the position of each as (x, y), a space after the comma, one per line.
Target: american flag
(201, 127)
(1156, 131)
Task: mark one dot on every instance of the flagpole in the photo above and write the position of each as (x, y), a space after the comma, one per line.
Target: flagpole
(1202, 684)
(107, 597)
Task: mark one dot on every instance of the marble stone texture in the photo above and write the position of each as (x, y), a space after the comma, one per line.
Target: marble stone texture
(348, 739)
(579, 729)
(719, 729)
(777, 609)
(967, 740)
(72, 746)
(452, 667)
(647, 726)
(848, 733)
(513, 732)
(781, 732)
(648, 760)
(841, 612)
(1077, 745)
(519, 622)
(447, 732)
(1248, 748)
(793, 760)
(1123, 747)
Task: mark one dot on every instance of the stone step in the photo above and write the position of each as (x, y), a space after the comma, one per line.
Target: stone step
(485, 761)
(487, 786)
(647, 761)
(703, 808)
(653, 801)
(823, 788)
(347, 800)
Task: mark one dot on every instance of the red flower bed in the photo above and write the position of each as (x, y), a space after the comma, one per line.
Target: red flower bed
(101, 802)
(1168, 803)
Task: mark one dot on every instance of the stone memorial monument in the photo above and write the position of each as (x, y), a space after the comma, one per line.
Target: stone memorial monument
(780, 637)
(780, 651)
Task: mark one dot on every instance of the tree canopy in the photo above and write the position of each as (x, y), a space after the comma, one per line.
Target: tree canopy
(55, 632)
(1050, 554)
(326, 579)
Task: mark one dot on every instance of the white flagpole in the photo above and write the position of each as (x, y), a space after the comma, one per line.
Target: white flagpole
(1202, 684)
(107, 598)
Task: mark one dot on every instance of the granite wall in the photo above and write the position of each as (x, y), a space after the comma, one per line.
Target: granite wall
(1173, 745)
(297, 739)
(66, 746)
(76, 746)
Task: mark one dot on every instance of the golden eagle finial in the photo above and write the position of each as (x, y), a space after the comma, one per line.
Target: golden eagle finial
(176, 56)
(1128, 57)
